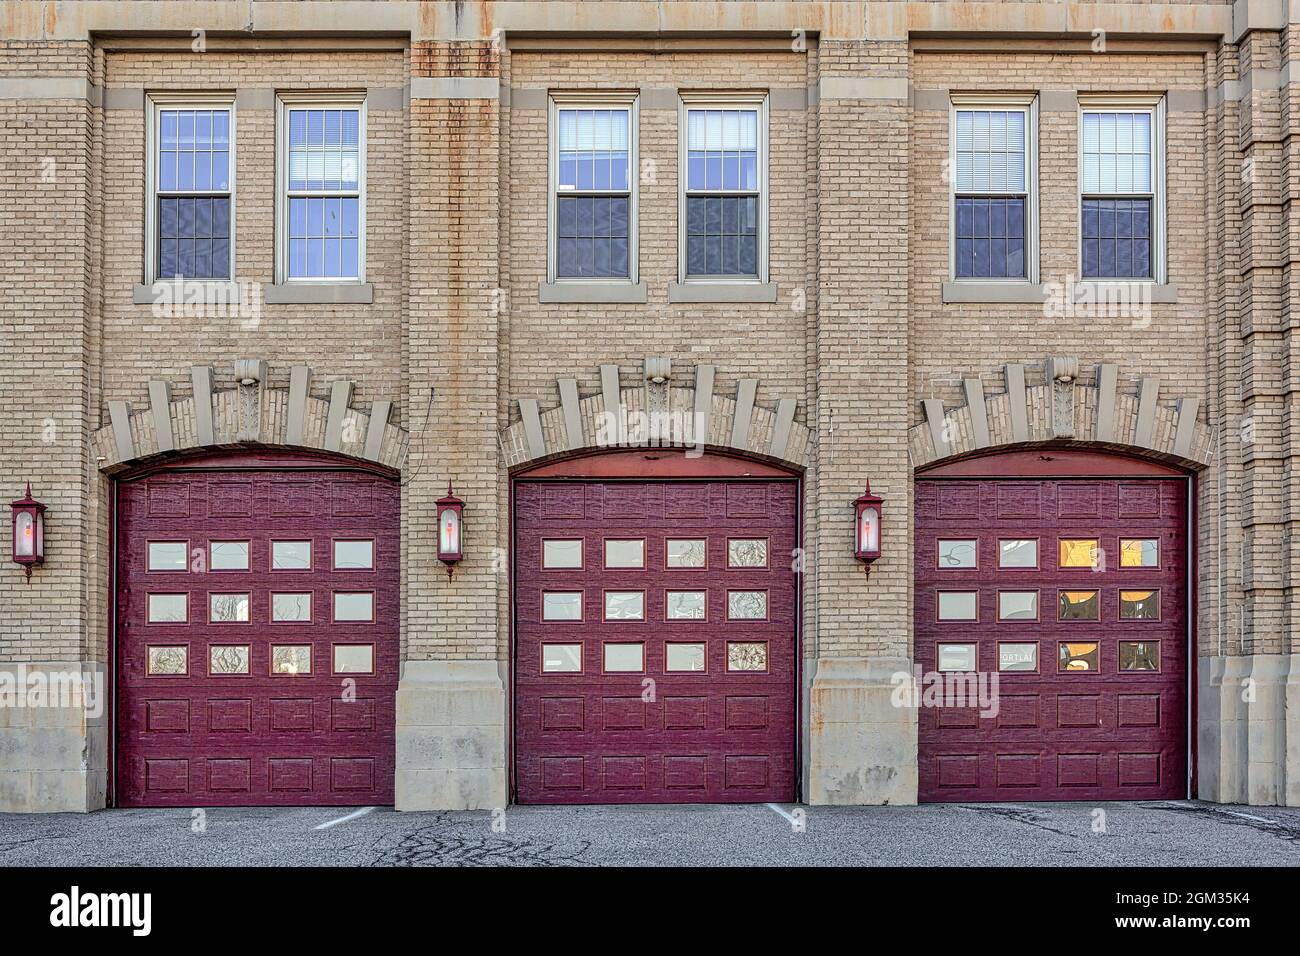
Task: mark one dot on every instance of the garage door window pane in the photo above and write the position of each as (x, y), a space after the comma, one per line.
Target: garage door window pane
(686, 605)
(562, 658)
(354, 555)
(624, 605)
(1139, 655)
(1018, 553)
(227, 608)
(685, 552)
(684, 657)
(746, 656)
(354, 658)
(169, 608)
(1078, 656)
(1018, 657)
(168, 660)
(354, 606)
(747, 552)
(1017, 605)
(562, 606)
(625, 553)
(1079, 552)
(958, 605)
(1139, 605)
(291, 607)
(228, 659)
(957, 657)
(747, 605)
(1139, 552)
(290, 659)
(957, 553)
(229, 555)
(167, 555)
(290, 555)
(624, 657)
(562, 553)
(1080, 606)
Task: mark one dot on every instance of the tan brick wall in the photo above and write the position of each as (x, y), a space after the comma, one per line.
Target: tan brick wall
(862, 350)
(953, 341)
(47, 208)
(457, 207)
(956, 340)
(766, 341)
(360, 342)
(452, 351)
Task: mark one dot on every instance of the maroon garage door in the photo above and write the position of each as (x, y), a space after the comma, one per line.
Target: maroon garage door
(257, 615)
(1074, 592)
(655, 641)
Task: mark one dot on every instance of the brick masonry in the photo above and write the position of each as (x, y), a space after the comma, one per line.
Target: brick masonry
(858, 335)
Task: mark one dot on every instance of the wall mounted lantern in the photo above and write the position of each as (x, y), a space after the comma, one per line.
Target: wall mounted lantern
(449, 525)
(29, 531)
(868, 510)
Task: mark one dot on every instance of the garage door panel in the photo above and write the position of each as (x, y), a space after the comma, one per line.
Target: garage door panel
(1079, 721)
(665, 731)
(301, 725)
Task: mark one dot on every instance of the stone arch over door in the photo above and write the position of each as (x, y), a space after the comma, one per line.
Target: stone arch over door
(657, 414)
(248, 414)
(1060, 410)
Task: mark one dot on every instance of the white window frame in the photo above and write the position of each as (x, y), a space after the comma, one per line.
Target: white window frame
(1028, 104)
(155, 103)
(1153, 103)
(326, 100)
(593, 100)
(688, 100)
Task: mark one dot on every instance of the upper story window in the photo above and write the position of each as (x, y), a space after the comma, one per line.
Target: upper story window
(593, 195)
(723, 177)
(191, 187)
(1122, 192)
(994, 188)
(321, 198)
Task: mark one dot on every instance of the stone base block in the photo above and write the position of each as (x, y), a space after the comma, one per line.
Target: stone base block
(53, 737)
(451, 736)
(862, 747)
(1249, 733)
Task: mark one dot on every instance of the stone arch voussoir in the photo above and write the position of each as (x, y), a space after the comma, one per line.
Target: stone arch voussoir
(248, 414)
(658, 414)
(1060, 409)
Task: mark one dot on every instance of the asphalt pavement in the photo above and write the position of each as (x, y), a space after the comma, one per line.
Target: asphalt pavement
(1182, 833)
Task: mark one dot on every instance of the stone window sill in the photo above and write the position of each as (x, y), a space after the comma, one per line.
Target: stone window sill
(167, 292)
(591, 292)
(722, 292)
(320, 293)
(1012, 291)
(1035, 293)
(222, 293)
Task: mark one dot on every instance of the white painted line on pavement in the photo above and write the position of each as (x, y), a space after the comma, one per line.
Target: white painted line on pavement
(351, 816)
(1248, 816)
(775, 809)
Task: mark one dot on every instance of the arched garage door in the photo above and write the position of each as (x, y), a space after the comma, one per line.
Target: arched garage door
(1072, 588)
(655, 630)
(257, 634)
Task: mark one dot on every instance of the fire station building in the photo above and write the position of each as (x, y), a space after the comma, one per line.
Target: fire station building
(445, 405)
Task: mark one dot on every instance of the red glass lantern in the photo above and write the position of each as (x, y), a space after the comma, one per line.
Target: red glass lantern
(869, 511)
(29, 531)
(450, 509)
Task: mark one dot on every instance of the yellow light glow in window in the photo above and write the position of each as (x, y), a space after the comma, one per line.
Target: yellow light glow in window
(1078, 552)
(1078, 657)
(1139, 552)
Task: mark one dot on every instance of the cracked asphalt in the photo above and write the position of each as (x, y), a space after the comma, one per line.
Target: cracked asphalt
(1184, 833)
